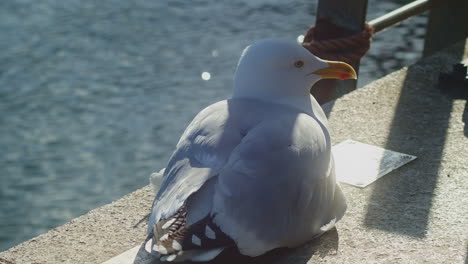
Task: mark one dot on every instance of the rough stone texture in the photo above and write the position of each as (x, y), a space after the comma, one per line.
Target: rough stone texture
(416, 214)
(91, 238)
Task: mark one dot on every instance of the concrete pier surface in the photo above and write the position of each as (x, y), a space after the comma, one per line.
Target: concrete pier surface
(416, 214)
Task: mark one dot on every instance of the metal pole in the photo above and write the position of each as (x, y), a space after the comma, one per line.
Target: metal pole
(349, 15)
(447, 25)
(402, 13)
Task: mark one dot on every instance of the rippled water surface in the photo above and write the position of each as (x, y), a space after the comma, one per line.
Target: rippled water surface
(95, 94)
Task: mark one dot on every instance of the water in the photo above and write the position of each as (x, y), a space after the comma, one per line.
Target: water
(95, 94)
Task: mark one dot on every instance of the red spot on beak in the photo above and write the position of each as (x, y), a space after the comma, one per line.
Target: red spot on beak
(344, 76)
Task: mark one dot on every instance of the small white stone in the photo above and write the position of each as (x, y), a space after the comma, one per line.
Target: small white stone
(209, 233)
(196, 240)
(164, 237)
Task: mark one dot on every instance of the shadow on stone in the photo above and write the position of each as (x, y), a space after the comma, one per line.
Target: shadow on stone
(401, 201)
(325, 245)
(322, 246)
(144, 257)
(466, 256)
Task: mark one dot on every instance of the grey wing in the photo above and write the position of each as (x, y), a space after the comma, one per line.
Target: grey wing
(201, 152)
(278, 187)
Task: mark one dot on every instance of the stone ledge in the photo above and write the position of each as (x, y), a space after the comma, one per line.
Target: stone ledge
(92, 238)
(416, 214)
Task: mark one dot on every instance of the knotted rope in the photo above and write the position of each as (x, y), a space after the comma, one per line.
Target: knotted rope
(322, 42)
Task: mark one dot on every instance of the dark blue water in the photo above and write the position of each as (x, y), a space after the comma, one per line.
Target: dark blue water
(95, 94)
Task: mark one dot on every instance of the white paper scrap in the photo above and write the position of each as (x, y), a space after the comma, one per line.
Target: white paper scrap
(360, 164)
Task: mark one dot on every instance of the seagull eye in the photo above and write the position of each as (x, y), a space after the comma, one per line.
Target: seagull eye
(298, 64)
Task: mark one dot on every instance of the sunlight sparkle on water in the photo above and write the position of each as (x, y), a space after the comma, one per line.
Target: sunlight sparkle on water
(206, 76)
(300, 38)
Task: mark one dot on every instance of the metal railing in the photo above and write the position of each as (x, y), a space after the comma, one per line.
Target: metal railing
(447, 24)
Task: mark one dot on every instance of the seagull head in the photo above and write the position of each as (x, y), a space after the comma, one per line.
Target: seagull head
(276, 68)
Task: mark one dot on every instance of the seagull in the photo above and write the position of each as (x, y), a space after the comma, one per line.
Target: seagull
(254, 171)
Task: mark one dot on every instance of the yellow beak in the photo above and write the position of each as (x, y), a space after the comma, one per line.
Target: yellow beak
(336, 70)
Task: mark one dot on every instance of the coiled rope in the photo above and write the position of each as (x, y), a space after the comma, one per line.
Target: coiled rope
(322, 41)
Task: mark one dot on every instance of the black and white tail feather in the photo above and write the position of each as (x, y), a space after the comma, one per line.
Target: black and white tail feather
(174, 241)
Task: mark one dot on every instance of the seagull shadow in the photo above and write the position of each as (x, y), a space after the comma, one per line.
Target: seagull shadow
(143, 257)
(325, 245)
